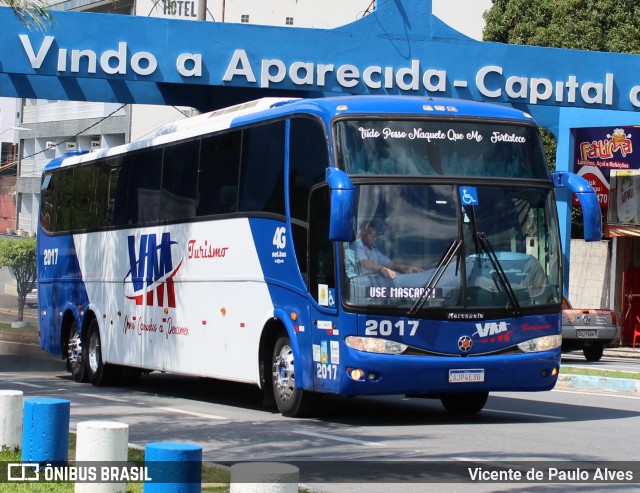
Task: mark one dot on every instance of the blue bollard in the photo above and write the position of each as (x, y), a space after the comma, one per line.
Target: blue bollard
(45, 430)
(173, 467)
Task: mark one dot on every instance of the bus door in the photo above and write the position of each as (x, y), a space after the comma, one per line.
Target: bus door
(323, 289)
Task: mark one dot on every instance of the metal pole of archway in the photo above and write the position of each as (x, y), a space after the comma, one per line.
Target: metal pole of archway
(202, 10)
(201, 16)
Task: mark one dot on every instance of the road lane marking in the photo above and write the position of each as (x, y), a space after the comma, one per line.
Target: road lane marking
(524, 414)
(34, 385)
(339, 439)
(104, 397)
(192, 413)
(599, 394)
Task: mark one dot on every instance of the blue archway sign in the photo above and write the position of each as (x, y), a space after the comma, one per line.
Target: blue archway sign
(401, 48)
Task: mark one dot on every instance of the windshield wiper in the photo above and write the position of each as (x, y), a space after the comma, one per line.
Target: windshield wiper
(502, 276)
(437, 275)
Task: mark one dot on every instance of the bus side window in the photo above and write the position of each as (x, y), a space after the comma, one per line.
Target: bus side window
(62, 193)
(308, 160)
(108, 176)
(84, 207)
(46, 209)
(143, 197)
(262, 169)
(218, 174)
(179, 179)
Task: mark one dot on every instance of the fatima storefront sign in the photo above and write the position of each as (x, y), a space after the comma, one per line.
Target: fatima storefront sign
(609, 159)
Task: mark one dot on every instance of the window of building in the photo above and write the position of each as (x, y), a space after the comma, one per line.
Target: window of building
(289, 21)
(244, 18)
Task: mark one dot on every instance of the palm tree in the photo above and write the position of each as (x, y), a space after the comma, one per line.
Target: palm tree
(32, 13)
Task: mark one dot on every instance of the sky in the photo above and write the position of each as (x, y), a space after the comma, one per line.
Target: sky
(463, 15)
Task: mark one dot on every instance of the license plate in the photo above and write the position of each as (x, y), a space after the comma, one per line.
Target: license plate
(464, 376)
(586, 334)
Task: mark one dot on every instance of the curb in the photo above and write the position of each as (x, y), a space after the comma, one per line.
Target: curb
(605, 384)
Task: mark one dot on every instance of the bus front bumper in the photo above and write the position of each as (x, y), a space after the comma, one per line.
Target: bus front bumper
(382, 374)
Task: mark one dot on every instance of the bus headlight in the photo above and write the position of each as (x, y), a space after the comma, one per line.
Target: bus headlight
(539, 344)
(373, 345)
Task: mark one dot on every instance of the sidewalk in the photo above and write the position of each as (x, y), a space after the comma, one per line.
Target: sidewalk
(9, 310)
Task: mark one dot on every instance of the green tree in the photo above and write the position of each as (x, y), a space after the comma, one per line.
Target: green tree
(596, 25)
(19, 256)
(32, 13)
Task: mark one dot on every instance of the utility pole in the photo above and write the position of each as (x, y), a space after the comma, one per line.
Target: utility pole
(202, 10)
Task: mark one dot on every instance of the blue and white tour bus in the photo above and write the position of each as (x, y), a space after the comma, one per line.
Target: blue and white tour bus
(362, 245)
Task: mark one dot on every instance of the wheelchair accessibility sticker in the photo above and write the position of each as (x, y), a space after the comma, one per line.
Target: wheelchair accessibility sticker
(468, 195)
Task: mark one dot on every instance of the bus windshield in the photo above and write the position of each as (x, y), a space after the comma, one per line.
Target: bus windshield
(426, 246)
(444, 148)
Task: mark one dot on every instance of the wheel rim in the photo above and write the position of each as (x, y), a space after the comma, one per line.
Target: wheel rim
(74, 352)
(283, 374)
(93, 356)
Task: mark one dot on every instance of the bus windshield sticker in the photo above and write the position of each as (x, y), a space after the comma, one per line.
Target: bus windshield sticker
(335, 352)
(323, 295)
(469, 196)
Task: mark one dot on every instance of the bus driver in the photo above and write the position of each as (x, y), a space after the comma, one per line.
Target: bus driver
(370, 260)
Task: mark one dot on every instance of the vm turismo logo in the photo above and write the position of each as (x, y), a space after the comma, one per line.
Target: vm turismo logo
(492, 332)
(151, 274)
(491, 328)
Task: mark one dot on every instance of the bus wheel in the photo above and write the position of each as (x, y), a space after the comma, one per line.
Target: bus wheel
(98, 373)
(466, 403)
(290, 401)
(75, 357)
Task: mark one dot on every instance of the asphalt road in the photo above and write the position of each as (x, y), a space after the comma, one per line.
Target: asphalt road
(230, 423)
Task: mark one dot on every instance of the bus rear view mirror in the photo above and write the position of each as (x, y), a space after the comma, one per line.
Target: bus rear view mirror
(588, 202)
(343, 205)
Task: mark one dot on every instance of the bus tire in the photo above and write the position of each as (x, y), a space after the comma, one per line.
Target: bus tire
(98, 372)
(291, 401)
(594, 352)
(75, 355)
(465, 403)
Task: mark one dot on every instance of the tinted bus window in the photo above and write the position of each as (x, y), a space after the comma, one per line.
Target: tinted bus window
(179, 180)
(143, 194)
(61, 189)
(85, 196)
(445, 148)
(218, 174)
(108, 174)
(308, 160)
(262, 169)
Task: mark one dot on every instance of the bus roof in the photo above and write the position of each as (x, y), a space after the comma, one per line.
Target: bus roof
(325, 108)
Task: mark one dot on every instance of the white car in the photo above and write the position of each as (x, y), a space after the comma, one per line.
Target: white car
(32, 298)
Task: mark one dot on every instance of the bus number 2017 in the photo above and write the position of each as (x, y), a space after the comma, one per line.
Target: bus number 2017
(387, 327)
(326, 371)
(50, 256)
